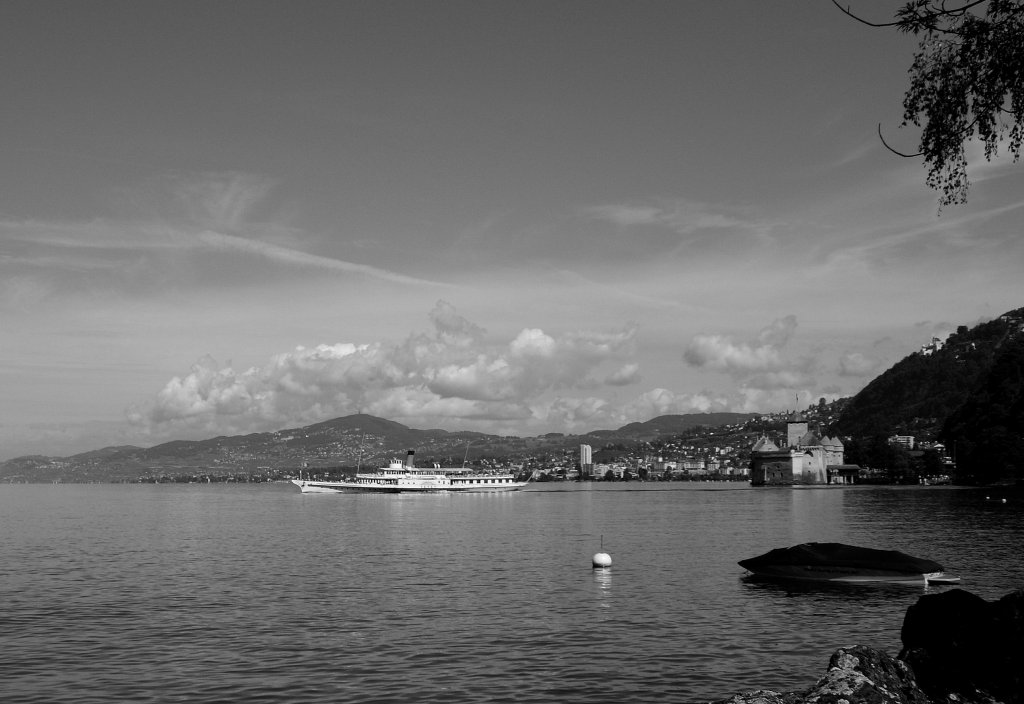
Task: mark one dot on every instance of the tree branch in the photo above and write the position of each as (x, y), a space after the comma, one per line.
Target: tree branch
(846, 11)
(895, 151)
(932, 14)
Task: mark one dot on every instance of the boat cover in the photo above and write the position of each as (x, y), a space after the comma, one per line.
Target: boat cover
(838, 554)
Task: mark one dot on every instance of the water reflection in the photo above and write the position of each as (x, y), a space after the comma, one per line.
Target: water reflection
(603, 581)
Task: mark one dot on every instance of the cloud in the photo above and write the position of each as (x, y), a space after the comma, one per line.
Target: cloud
(627, 215)
(684, 217)
(759, 363)
(778, 332)
(182, 230)
(624, 375)
(856, 364)
(689, 224)
(451, 375)
(659, 402)
(575, 414)
(784, 378)
(739, 359)
(285, 255)
(755, 400)
(221, 201)
(589, 413)
(962, 239)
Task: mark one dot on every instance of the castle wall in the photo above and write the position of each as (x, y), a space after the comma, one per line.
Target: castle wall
(771, 469)
(812, 468)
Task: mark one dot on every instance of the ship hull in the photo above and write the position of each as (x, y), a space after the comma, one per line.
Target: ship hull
(324, 487)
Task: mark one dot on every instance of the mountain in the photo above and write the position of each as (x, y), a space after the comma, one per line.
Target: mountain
(676, 424)
(349, 441)
(966, 391)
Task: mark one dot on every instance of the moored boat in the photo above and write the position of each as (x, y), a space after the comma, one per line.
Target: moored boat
(405, 477)
(837, 562)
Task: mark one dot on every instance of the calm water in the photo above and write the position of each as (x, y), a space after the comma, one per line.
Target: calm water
(221, 593)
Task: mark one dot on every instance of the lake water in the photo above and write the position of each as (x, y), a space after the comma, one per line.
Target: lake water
(257, 593)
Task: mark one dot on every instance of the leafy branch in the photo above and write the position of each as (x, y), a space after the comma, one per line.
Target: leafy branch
(966, 82)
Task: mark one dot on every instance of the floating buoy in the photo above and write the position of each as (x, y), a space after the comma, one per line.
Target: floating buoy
(602, 559)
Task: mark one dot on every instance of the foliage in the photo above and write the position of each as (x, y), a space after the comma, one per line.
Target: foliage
(877, 452)
(966, 81)
(969, 394)
(987, 432)
(916, 394)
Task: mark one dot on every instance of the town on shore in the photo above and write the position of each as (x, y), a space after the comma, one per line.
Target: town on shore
(771, 449)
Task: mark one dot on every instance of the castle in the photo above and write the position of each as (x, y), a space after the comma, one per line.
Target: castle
(807, 458)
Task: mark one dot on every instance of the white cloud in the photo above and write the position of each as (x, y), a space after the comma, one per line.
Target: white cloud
(857, 364)
(624, 375)
(755, 400)
(721, 353)
(451, 375)
(760, 366)
(660, 402)
(286, 255)
(779, 332)
(575, 414)
(739, 359)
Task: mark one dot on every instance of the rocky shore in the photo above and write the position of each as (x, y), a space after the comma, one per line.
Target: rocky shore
(957, 649)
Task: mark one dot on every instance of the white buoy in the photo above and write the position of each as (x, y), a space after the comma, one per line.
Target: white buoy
(602, 559)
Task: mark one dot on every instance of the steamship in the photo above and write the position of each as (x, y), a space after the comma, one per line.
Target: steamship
(405, 477)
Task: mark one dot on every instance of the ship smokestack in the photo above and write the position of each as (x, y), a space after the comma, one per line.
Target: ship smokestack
(408, 458)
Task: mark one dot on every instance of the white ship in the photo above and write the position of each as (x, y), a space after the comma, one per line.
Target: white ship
(405, 477)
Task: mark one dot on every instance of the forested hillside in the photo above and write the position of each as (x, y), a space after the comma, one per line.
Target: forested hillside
(967, 392)
(986, 434)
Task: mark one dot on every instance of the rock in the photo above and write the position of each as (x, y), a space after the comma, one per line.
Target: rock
(759, 696)
(957, 649)
(857, 674)
(866, 676)
(964, 648)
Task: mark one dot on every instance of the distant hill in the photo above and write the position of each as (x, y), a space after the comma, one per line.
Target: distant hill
(347, 441)
(966, 391)
(675, 424)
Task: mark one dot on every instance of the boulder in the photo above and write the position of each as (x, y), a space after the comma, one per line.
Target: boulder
(760, 696)
(867, 676)
(856, 674)
(957, 649)
(961, 646)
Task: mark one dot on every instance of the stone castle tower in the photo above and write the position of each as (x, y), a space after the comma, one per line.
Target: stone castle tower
(805, 459)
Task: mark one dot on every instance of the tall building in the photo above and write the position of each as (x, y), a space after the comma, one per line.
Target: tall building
(586, 460)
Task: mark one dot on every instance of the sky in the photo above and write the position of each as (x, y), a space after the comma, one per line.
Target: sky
(523, 217)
